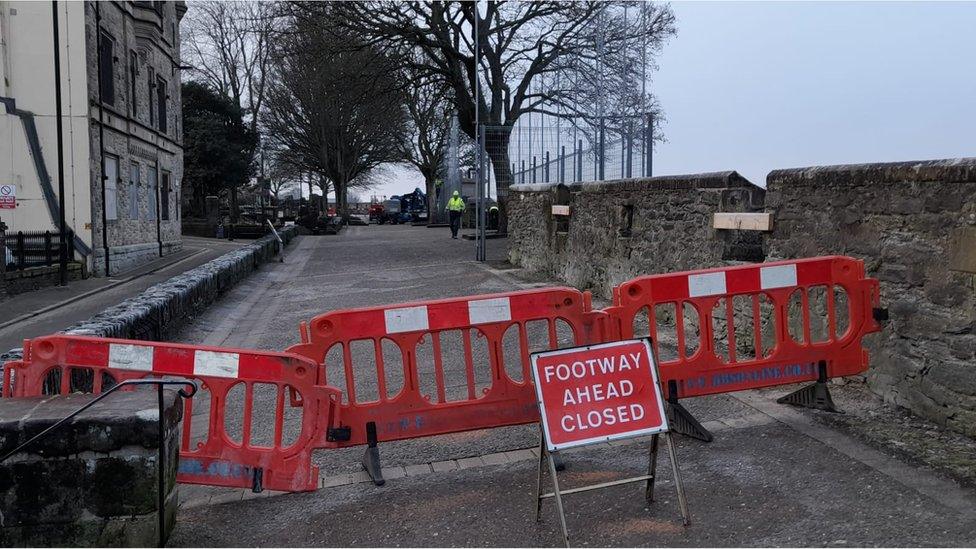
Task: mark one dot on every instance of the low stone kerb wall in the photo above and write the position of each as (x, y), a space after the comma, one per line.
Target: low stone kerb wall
(162, 309)
(92, 482)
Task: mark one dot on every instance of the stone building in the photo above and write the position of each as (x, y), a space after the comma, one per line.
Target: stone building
(123, 156)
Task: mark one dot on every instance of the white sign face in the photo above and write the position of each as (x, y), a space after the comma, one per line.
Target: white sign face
(8, 197)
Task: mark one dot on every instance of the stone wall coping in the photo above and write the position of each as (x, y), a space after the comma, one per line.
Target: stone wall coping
(130, 417)
(710, 180)
(959, 170)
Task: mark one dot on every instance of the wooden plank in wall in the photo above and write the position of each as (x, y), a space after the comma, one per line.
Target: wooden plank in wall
(743, 221)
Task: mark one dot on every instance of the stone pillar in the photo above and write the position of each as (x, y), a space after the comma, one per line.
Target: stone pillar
(93, 481)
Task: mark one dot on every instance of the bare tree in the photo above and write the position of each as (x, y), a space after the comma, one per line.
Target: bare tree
(228, 44)
(335, 104)
(430, 113)
(518, 44)
(282, 175)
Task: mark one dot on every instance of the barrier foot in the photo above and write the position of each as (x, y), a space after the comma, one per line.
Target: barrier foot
(681, 420)
(371, 458)
(257, 480)
(815, 396)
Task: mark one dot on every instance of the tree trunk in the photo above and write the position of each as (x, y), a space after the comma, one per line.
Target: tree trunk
(311, 199)
(431, 199)
(324, 199)
(496, 147)
(340, 192)
(233, 205)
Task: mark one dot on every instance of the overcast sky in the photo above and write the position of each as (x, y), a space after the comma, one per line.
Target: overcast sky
(755, 86)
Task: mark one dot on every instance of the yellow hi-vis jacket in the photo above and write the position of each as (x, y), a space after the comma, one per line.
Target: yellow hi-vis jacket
(455, 204)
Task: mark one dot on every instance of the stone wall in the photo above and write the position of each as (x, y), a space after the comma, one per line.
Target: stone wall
(125, 258)
(620, 229)
(93, 482)
(914, 224)
(35, 278)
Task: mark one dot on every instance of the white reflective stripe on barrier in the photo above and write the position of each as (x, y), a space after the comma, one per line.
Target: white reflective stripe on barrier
(212, 363)
(483, 311)
(779, 276)
(130, 357)
(407, 319)
(706, 284)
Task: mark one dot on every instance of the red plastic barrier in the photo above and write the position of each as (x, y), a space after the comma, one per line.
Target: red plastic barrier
(734, 328)
(424, 405)
(63, 364)
(769, 299)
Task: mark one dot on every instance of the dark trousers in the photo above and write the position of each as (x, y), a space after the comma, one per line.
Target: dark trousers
(455, 222)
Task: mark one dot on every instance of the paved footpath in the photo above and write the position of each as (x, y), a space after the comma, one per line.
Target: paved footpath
(50, 310)
(772, 477)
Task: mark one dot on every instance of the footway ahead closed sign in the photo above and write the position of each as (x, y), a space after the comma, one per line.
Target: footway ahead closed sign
(598, 393)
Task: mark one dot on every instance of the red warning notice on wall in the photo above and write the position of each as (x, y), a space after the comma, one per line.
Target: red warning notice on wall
(598, 393)
(8, 197)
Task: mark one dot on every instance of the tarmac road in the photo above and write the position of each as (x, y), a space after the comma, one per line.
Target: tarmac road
(772, 477)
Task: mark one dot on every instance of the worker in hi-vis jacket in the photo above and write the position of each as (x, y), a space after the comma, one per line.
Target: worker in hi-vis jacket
(455, 207)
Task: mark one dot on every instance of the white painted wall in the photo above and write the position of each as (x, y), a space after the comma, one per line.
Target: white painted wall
(27, 75)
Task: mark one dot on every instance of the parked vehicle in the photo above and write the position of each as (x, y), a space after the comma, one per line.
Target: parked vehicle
(391, 211)
(376, 212)
(358, 219)
(415, 205)
(327, 224)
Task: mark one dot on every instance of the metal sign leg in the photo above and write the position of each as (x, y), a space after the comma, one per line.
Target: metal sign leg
(541, 468)
(651, 469)
(558, 498)
(682, 502)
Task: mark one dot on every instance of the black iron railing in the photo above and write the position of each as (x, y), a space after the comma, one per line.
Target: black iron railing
(25, 249)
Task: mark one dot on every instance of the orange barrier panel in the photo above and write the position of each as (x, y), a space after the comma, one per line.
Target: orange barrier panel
(427, 401)
(411, 370)
(209, 454)
(752, 326)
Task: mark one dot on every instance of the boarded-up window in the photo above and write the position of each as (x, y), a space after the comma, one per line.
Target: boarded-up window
(164, 197)
(134, 191)
(111, 187)
(151, 195)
